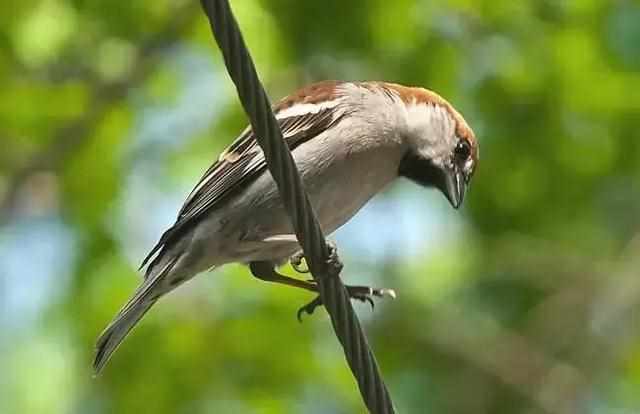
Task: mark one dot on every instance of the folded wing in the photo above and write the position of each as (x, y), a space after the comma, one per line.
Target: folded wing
(239, 164)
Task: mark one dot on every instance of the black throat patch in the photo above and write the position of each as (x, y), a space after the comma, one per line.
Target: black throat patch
(420, 170)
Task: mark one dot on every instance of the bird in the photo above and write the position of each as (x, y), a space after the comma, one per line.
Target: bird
(349, 140)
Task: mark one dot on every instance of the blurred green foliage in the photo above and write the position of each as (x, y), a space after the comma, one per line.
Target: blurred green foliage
(526, 301)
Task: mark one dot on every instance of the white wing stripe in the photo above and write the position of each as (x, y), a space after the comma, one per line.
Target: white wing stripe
(307, 108)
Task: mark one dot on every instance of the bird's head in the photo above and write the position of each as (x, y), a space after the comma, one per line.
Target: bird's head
(442, 151)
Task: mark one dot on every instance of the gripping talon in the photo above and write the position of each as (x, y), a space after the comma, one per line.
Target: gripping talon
(335, 265)
(368, 299)
(309, 308)
(364, 294)
(296, 262)
(384, 292)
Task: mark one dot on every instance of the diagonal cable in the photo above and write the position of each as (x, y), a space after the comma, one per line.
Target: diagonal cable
(325, 267)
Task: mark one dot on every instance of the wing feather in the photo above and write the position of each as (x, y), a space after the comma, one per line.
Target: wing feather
(240, 163)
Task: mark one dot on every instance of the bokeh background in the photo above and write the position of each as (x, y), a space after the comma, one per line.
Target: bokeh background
(527, 300)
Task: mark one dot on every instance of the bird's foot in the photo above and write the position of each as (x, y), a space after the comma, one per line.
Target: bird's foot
(296, 262)
(334, 263)
(333, 260)
(361, 293)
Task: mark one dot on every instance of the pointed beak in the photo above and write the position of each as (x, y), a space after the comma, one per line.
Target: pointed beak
(453, 185)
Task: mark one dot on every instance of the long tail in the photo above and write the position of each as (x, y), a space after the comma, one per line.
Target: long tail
(144, 297)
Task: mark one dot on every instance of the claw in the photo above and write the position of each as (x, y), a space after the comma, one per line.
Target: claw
(296, 263)
(365, 298)
(335, 265)
(309, 308)
(364, 294)
(367, 291)
(372, 303)
(384, 292)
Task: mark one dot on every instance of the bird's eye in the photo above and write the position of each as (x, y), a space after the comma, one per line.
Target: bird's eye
(463, 150)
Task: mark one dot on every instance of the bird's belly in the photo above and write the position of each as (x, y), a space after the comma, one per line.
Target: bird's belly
(253, 225)
(337, 193)
(344, 193)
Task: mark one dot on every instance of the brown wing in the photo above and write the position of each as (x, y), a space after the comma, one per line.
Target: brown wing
(242, 162)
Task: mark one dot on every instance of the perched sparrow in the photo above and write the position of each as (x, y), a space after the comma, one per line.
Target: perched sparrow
(349, 141)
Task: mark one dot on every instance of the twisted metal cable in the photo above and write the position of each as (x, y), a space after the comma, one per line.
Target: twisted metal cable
(325, 267)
